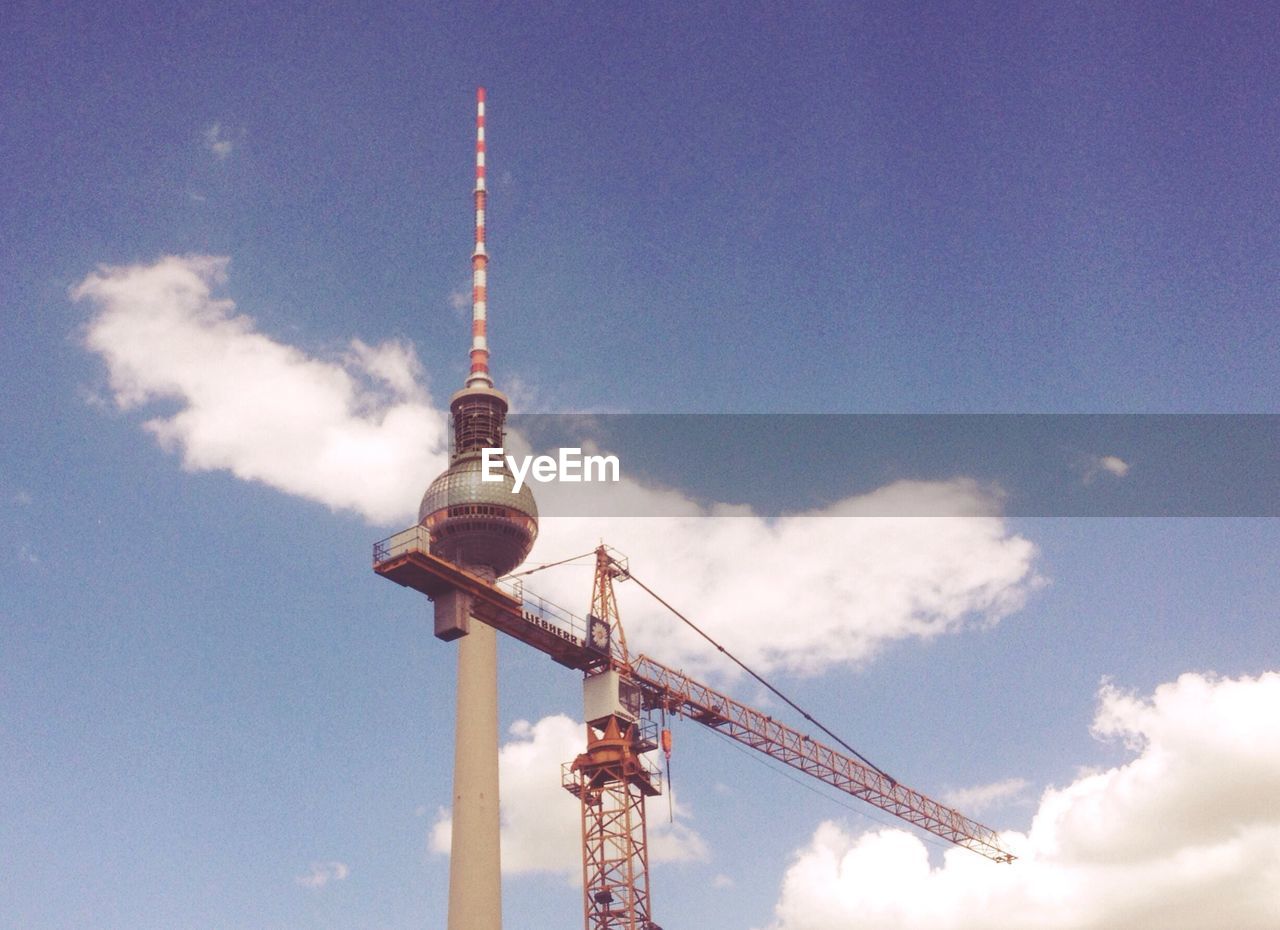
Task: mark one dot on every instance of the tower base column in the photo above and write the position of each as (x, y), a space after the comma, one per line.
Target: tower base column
(475, 880)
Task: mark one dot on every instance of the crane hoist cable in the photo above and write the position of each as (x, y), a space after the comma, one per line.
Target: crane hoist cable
(666, 751)
(742, 665)
(538, 568)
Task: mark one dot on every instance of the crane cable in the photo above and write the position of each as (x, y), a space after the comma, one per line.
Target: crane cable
(666, 751)
(538, 568)
(790, 703)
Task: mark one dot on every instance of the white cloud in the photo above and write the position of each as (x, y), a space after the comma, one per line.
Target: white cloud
(356, 433)
(218, 141)
(1184, 835)
(359, 432)
(441, 835)
(320, 874)
(541, 822)
(1114, 465)
(977, 798)
(806, 592)
(1092, 466)
(524, 396)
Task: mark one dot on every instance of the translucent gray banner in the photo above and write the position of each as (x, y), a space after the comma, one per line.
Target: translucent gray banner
(1042, 465)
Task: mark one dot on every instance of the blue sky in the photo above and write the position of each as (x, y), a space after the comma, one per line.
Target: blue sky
(1032, 208)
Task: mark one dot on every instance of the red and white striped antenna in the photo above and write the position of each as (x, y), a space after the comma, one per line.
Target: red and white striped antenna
(479, 375)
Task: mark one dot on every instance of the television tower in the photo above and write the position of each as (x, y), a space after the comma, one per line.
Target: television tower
(487, 529)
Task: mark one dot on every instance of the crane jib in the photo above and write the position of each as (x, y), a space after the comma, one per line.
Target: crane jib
(678, 693)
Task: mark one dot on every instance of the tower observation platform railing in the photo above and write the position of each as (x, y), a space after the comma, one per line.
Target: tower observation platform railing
(406, 558)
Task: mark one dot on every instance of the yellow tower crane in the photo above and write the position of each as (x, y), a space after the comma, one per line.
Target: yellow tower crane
(612, 779)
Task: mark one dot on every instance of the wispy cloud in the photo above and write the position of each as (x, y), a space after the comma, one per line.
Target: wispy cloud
(525, 396)
(219, 141)
(320, 874)
(1095, 466)
(460, 302)
(978, 798)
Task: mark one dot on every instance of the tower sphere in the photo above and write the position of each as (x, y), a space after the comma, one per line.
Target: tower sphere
(473, 522)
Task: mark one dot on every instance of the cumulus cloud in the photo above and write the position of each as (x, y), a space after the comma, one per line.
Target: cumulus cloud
(541, 824)
(356, 432)
(320, 874)
(810, 591)
(1184, 835)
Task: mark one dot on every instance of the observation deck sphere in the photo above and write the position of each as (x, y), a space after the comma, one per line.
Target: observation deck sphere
(479, 523)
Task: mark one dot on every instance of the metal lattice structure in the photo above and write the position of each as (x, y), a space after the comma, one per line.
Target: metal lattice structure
(612, 782)
(612, 778)
(680, 694)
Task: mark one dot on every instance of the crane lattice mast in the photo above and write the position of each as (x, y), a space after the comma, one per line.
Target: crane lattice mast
(612, 779)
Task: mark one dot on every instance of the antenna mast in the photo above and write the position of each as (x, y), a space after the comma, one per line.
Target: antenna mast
(479, 376)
